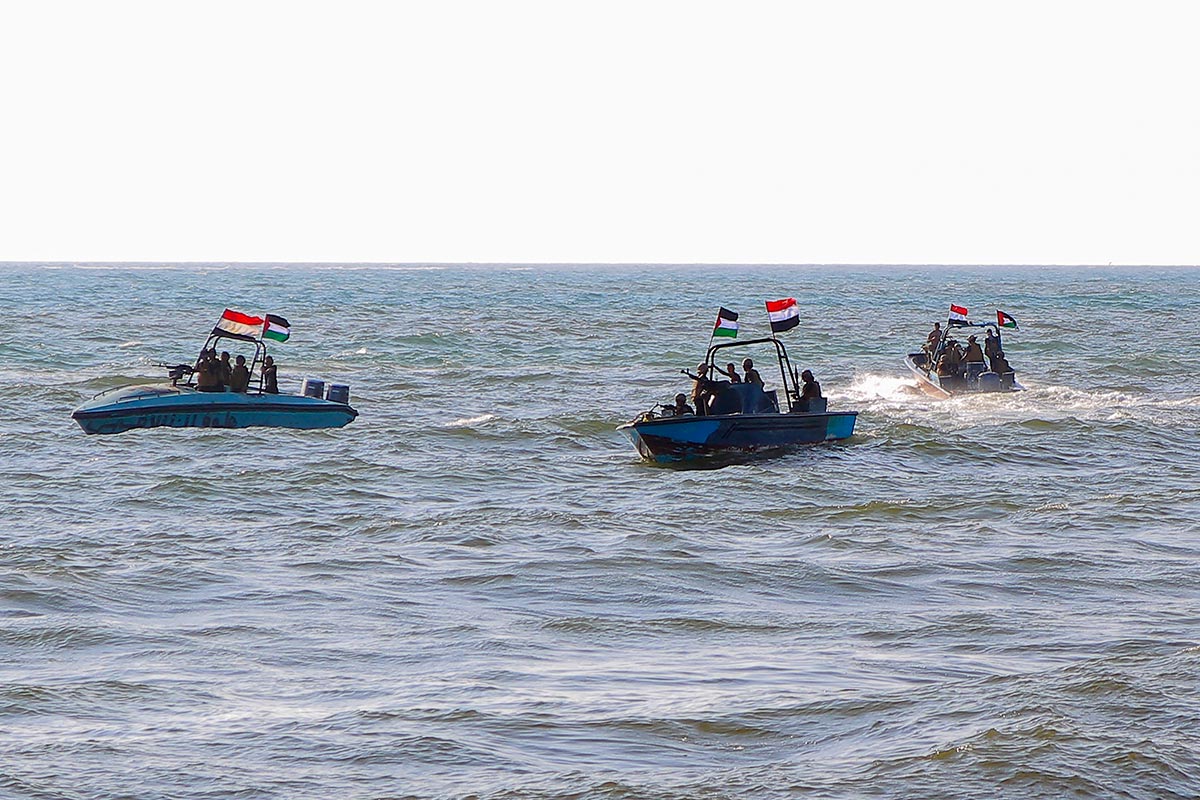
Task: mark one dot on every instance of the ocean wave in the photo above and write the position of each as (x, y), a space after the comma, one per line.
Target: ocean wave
(469, 422)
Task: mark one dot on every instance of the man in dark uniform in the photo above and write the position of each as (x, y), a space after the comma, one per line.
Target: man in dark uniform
(703, 389)
(270, 376)
(991, 346)
(810, 389)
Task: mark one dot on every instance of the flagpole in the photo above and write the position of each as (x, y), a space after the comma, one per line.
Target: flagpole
(712, 334)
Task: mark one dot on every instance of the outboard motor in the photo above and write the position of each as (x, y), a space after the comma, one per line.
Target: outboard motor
(989, 382)
(313, 387)
(974, 370)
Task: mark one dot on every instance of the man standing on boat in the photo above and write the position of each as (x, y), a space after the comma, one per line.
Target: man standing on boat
(749, 373)
(270, 376)
(703, 389)
(973, 354)
(991, 346)
(933, 339)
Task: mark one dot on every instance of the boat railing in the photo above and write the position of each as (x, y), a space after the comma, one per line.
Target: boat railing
(131, 398)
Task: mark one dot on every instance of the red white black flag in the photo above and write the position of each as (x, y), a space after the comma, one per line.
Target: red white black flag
(784, 314)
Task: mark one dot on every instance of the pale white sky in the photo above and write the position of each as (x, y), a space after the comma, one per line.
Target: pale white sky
(799, 132)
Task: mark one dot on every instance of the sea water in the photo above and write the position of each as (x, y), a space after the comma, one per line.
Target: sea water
(476, 589)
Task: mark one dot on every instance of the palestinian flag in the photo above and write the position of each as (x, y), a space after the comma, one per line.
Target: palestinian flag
(727, 323)
(784, 314)
(235, 323)
(958, 315)
(1005, 321)
(277, 328)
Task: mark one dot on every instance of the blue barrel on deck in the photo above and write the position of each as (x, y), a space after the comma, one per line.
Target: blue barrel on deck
(338, 393)
(313, 387)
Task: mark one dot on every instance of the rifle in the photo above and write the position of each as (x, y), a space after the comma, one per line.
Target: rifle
(176, 371)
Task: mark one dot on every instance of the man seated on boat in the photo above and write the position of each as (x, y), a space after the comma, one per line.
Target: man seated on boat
(974, 353)
(680, 409)
(809, 388)
(750, 374)
(950, 362)
(808, 399)
(239, 376)
(208, 378)
(1000, 364)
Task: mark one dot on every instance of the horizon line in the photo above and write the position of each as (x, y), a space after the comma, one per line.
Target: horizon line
(569, 264)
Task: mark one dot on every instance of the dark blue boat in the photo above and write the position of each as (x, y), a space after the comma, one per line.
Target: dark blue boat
(742, 418)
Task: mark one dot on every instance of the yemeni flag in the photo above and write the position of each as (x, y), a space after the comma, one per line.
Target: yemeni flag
(958, 315)
(784, 314)
(727, 323)
(276, 327)
(1005, 320)
(235, 323)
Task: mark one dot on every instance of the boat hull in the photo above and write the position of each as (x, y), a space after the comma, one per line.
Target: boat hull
(681, 438)
(134, 407)
(941, 388)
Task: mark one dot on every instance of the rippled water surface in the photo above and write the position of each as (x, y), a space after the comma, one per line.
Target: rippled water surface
(477, 589)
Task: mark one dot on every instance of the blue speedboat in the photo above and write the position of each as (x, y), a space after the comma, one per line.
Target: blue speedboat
(180, 404)
(742, 417)
(175, 406)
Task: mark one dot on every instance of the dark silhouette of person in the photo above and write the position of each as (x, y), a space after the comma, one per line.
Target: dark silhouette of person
(991, 348)
(224, 368)
(270, 376)
(1000, 364)
(750, 374)
(810, 389)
